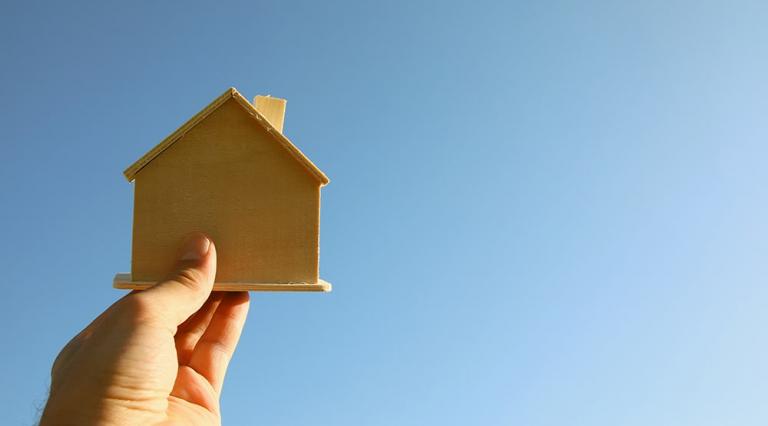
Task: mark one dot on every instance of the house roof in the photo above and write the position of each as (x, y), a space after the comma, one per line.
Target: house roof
(231, 93)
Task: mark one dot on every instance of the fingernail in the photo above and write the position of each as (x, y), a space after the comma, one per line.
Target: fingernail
(195, 247)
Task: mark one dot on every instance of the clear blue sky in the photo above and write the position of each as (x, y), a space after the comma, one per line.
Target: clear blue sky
(541, 213)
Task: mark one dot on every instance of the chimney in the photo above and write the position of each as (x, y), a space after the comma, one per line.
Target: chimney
(273, 109)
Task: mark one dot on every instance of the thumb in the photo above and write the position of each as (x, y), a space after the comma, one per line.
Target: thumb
(187, 288)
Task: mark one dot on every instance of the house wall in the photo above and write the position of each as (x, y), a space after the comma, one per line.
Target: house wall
(228, 178)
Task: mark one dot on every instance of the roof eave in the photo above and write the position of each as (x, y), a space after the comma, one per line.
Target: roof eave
(231, 93)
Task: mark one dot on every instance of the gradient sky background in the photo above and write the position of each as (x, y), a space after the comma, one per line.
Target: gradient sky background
(540, 213)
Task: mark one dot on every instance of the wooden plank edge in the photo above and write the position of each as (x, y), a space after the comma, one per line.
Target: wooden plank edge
(124, 282)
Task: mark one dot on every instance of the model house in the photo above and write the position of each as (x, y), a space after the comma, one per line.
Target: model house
(231, 173)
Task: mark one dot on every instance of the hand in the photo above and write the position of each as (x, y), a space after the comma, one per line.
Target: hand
(156, 356)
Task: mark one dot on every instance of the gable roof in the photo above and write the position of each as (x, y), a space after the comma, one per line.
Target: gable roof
(231, 93)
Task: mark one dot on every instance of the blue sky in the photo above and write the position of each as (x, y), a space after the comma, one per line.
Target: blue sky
(540, 213)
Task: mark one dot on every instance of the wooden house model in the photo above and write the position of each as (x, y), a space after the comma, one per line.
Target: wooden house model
(231, 173)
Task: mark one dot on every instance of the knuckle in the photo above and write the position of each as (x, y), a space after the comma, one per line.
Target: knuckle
(189, 277)
(137, 308)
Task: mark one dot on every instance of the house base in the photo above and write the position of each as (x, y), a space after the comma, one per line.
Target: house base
(124, 281)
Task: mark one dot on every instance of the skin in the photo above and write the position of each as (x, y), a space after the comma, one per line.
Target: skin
(154, 357)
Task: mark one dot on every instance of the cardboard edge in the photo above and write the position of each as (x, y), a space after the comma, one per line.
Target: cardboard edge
(123, 281)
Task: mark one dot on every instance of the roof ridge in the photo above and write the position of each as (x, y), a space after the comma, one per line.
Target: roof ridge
(231, 93)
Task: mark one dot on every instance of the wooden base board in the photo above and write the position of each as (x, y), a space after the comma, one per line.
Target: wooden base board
(124, 281)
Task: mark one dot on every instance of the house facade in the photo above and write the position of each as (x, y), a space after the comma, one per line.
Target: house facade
(230, 173)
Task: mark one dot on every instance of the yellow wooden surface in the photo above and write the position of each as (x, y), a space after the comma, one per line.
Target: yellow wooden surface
(124, 281)
(273, 109)
(229, 94)
(228, 177)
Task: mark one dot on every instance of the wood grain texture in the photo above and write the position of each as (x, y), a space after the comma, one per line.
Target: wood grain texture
(230, 94)
(273, 109)
(234, 179)
(124, 281)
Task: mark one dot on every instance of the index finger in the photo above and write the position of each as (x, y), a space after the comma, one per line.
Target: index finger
(215, 348)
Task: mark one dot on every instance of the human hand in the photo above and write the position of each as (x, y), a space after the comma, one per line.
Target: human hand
(156, 356)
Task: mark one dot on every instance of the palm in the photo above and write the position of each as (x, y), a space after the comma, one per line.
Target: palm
(175, 377)
(157, 356)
